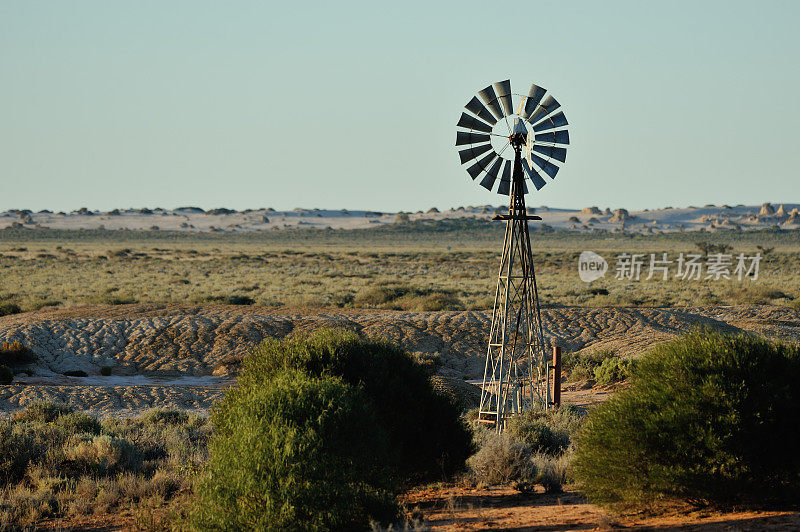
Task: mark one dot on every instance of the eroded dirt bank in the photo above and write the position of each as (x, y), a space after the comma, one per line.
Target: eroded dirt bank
(165, 343)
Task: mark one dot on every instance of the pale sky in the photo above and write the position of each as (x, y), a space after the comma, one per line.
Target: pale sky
(354, 105)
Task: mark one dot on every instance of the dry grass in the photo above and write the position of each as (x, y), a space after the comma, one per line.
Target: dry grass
(62, 464)
(334, 271)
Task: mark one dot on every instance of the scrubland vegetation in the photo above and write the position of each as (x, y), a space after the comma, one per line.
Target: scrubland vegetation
(447, 266)
(55, 462)
(324, 430)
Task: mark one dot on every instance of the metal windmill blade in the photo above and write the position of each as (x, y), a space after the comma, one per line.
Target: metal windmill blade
(551, 122)
(476, 107)
(491, 174)
(503, 89)
(490, 98)
(530, 103)
(548, 106)
(554, 137)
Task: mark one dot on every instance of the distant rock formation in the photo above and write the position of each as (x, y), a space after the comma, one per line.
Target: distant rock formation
(781, 212)
(591, 210)
(607, 212)
(620, 215)
(766, 210)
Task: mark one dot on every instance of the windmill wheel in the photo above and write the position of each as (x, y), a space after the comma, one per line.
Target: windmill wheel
(494, 116)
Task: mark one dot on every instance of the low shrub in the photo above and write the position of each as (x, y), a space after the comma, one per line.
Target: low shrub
(231, 299)
(403, 297)
(534, 449)
(708, 417)
(551, 471)
(613, 369)
(7, 308)
(501, 459)
(78, 423)
(428, 438)
(165, 416)
(55, 462)
(76, 373)
(103, 454)
(43, 412)
(6, 375)
(111, 299)
(15, 354)
(581, 366)
(105, 371)
(303, 453)
(14, 454)
(548, 432)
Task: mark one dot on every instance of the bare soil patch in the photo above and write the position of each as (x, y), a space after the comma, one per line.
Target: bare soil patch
(501, 508)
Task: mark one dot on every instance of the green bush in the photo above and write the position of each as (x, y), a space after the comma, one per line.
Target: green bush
(15, 354)
(403, 297)
(43, 412)
(549, 432)
(105, 371)
(613, 369)
(302, 453)
(103, 454)
(427, 436)
(14, 454)
(708, 417)
(78, 423)
(581, 366)
(165, 416)
(7, 308)
(6, 375)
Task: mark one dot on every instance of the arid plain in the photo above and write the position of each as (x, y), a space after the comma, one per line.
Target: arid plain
(121, 321)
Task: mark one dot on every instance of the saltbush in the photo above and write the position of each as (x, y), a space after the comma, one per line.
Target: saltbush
(78, 423)
(613, 369)
(534, 449)
(708, 417)
(581, 366)
(14, 454)
(501, 459)
(548, 432)
(427, 436)
(15, 354)
(7, 308)
(302, 453)
(103, 454)
(43, 412)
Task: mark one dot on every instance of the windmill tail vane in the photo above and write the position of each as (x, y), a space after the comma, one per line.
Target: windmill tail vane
(508, 145)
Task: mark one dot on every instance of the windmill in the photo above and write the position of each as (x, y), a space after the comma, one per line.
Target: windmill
(508, 139)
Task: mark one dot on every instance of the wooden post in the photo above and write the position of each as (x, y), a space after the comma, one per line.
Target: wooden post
(556, 376)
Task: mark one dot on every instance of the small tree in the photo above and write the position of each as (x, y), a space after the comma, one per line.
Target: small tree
(300, 454)
(425, 431)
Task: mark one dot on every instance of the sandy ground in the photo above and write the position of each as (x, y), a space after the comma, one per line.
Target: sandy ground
(588, 219)
(185, 356)
(500, 508)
